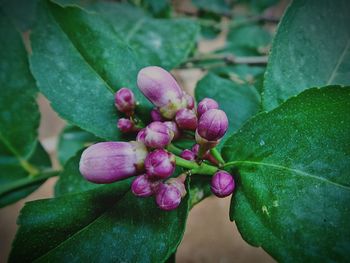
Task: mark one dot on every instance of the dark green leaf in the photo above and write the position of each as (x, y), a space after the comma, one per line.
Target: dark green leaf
(294, 177)
(162, 42)
(215, 6)
(240, 102)
(258, 5)
(105, 224)
(15, 180)
(86, 62)
(311, 48)
(71, 140)
(19, 114)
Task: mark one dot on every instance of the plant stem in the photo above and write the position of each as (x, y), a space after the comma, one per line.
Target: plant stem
(230, 59)
(27, 181)
(195, 168)
(217, 155)
(173, 149)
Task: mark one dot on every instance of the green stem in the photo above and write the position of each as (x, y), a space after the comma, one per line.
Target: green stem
(217, 155)
(173, 149)
(195, 168)
(27, 181)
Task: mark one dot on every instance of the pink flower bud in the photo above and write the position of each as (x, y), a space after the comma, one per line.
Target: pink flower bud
(142, 186)
(212, 125)
(188, 155)
(126, 125)
(124, 101)
(156, 116)
(179, 183)
(186, 119)
(190, 102)
(162, 90)
(107, 162)
(205, 105)
(157, 135)
(160, 164)
(140, 137)
(222, 184)
(168, 197)
(173, 127)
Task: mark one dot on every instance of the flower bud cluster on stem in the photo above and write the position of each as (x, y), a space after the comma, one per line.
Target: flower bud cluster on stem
(153, 157)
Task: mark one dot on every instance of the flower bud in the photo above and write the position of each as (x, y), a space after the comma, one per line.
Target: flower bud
(126, 125)
(222, 184)
(179, 183)
(205, 105)
(124, 101)
(156, 116)
(168, 197)
(212, 125)
(107, 162)
(173, 127)
(160, 164)
(142, 186)
(162, 90)
(157, 135)
(206, 155)
(140, 137)
(190, 102)
(188, 155)
(186, 119)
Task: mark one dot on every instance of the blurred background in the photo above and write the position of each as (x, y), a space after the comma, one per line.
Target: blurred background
(209, 236)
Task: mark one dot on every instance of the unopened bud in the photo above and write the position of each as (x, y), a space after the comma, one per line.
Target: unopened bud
(142, 186)
(156, 116)
(205, 105)
(212, 125)
(222, 184)
(108, 162)
(126, 125)
(124, 101)
(168, 197)
(188, 155)
(186, 119)
(157, 135)
(174, 128)
(160, 164)
(190, 102)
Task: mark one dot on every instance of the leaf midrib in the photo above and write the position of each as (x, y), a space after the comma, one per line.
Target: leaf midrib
(295, 171)
(82, 229)
(340, 60)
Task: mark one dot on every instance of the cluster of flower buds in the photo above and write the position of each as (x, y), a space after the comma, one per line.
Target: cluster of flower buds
(175, 115)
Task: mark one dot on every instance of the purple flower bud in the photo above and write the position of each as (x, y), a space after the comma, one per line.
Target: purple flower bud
(157, 135)
(156, 116)
(162, 90)
(190, 102)
(206, 156)
(140, 137)
(142, 186)
(173, 127)
(222, 184)
(168, 197)
(179, 183)
(124, 101)
(126, 125)
(160, 164)
(212, 125)
(188, 155)
(107, 162)
(205, 105)
(186, 119)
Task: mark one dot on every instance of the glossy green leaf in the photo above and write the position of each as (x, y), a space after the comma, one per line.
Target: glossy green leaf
(15, 180)
(293, 187)
(86, 62)
(19, 114)
(71, 140)
(163, 42)
(239, 101)
(311, 48)
(104, 224)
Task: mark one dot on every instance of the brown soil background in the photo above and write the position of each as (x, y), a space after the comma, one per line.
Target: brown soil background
(209, 235)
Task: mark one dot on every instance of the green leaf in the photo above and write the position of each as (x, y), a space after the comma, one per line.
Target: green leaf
(293, 187)
(19, 114)
(15, 181)
(258, 5)
(104, 224)
(215, 6)
(163, 42)
(311, 48)
(79, 62)
(71, 140)
(240, 102)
